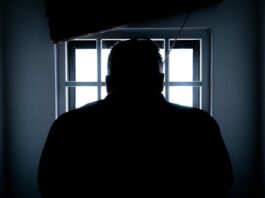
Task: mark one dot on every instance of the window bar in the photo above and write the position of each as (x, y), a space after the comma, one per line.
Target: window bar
(99, 46)
(75, 84)
(179, 83)
(66, 76)
(166, 65)
(56, 79)
(196, 74)
(71, 75)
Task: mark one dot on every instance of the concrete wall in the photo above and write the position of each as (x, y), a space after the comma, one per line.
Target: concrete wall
(262, 90)
(30, 87)
(1, 105)
(30, 92)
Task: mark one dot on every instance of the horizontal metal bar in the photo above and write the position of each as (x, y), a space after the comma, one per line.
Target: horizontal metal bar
(74, 84)
(192, 83)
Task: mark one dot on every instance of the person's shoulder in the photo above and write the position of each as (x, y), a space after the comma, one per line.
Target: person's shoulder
(81, 112)
(184, 109)
(195, 120)
(192, 113)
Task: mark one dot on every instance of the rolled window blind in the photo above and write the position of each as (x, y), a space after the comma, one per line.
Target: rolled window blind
(73, 18)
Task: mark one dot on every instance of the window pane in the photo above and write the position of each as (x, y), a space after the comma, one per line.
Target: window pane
(164, 91)
(181, 95)
(86, 65)
(84, 95)
(103, 92)
(104, 60)
(181, 65)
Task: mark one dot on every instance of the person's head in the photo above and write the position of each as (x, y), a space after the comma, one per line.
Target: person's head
(135, 64)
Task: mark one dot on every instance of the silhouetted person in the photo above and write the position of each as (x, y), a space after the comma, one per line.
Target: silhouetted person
(134, 143)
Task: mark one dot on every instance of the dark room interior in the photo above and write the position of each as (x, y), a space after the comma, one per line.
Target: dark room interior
(32, 32)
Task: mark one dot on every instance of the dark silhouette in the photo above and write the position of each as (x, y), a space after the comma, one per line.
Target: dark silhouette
(134, 143)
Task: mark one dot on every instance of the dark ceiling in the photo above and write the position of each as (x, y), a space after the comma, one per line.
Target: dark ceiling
(72, 18)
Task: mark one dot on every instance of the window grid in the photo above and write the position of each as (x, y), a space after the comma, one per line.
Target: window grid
(64, 86)
(72, 84)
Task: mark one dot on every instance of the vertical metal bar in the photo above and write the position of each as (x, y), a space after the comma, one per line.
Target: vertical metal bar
(166, 65)
(71, 75)
(56, 79)
(99, 46)
(66, 74)
(196, 73)
(210, 66)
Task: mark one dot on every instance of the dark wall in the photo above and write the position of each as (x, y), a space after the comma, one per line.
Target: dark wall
(29, 93)
(1, 105)
(262, 90)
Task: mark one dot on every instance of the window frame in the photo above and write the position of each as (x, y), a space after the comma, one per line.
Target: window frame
(203, 35)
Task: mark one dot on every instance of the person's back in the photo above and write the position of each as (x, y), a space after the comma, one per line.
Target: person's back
(134, 142)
